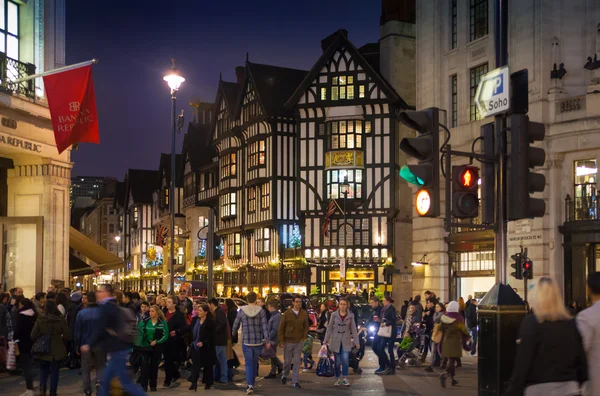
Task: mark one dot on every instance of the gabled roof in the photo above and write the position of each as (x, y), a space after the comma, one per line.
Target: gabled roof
(141, 184)
(197, 145)
(165, 166)
(338, 40)
(230, 94)
(274, 85)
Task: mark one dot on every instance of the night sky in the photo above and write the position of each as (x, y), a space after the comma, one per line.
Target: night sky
(135, 41)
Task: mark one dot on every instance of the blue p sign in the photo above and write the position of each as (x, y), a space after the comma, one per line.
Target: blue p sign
(498, 85)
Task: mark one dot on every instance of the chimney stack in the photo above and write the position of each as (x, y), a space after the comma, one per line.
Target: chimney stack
(239, 74)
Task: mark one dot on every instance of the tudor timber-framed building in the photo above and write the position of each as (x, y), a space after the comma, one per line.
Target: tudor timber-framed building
(347, 133)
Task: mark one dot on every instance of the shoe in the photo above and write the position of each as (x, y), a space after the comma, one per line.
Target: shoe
(391, 372)
(345, 382)
(296, 385)
(443, 378)
(338, 382)
(429, 369)
(454, 382)
(306, 370)
(283, 380)
(29, 392)
(379, 371)
(166, 385)
(194, 386)
(207, 386)
(250, 390)
(152, 389)
(271, 376)
(145, 391)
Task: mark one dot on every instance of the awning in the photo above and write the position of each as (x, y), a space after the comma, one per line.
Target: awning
(79, 267)
(90, 249)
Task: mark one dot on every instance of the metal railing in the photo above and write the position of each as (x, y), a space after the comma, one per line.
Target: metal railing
(10, 71)
(581, 208)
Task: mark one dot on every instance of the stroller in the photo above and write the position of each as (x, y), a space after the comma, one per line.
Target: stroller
(408, 350)
(356, 354)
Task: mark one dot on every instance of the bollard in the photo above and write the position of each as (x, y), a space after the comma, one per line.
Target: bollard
(500, 314)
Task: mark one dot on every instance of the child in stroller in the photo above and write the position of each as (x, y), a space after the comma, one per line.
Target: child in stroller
(408, 350)
(356, 355)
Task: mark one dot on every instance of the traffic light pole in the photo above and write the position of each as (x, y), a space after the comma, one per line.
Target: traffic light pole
(500, 237)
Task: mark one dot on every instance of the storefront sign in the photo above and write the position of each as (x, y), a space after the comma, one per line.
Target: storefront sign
(353, 275)
(20, 143)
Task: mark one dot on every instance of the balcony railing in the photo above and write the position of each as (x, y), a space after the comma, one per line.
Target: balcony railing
(10, 71)
(581, 208)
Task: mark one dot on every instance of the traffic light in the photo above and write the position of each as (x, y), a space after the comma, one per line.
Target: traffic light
(488, 175)
(527, 268)
(465, 201)
(517, 265)
(425, 148)
(521, 181)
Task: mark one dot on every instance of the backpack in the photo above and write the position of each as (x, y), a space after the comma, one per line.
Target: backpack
(128, 333)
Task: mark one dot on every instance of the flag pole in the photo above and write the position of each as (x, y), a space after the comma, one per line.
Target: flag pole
(55, 71)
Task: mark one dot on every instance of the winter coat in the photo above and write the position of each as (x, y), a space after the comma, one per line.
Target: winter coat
(293, 328)
(231, 315)
(341, 333)
(23, 327)
(253, 320)
(5, 321)
(86, 325)
(388, 316)
(273, 326)
(471, 316)
(205, 333)
(418, 316)
(58, 330)
(220, 324)
(109, 318)
(148, 332)
(453, 330)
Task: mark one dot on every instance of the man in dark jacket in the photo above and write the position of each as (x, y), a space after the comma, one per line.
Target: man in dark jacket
(273, 326)
(109, 325)
(220, 338)
(428, 324)
(471, 319)
(185, 302)
(85, 327)
(373, 326)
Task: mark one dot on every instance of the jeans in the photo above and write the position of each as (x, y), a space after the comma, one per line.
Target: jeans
(217, 371)
(98, 360)
(51, 369)
(292, 355)
(25, 362)
(150, 362)
(116, 368)
(473, 331)
(171, 354)
(388, 358)
(251, 355)
(342, 357)
(376, 346)
(308, 361)
(221, 351)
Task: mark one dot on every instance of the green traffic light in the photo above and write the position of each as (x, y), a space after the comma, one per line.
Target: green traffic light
(410, 177)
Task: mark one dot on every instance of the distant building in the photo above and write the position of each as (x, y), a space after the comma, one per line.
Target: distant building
(86, 188)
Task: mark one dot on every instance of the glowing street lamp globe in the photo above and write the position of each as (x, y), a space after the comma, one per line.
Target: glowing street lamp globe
(173, 78)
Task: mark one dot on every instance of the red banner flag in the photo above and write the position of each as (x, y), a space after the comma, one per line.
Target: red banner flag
(72, 103)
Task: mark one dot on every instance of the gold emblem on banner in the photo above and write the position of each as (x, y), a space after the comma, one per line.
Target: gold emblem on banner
(342, 158)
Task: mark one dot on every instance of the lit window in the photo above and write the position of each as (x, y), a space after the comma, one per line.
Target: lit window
(475, 74)
(265, 196)
(354, 178)
(323, 93)
(135, 215)
(346, 134)
(263, 238)
(228, 166)
(478, 19)
(252, 199)
(256, 156)
(342, 87)
(234, 245)
(361, 91)
(228, 205)
(9, 32)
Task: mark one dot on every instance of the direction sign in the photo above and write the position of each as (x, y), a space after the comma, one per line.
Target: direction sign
(493, 92)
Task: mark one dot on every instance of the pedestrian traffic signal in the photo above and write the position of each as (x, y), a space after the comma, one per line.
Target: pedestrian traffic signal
(465, 185)
(425, 148)
(521, 181)
(517, 265)
(527, 268)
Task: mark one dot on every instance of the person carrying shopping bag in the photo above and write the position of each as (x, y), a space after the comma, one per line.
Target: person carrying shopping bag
(339, 337)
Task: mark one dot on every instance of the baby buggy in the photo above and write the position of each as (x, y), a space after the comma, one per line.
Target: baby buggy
(356, 354)
(408, 350)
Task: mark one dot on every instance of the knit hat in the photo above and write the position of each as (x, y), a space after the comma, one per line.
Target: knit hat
(452, 307)
(76, 297)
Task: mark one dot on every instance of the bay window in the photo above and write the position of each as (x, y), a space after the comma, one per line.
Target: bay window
(252, 199)
(347, 134)
(256, 154)
(265, 196)
(354, 178)
(228, 166)
(263, 239)
(228, 205)
(234, 245)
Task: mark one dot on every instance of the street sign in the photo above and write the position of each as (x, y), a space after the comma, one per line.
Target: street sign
(423, 202)
(493, 92)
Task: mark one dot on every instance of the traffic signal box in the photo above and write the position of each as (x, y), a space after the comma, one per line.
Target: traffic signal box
(425, 148)
(465, 199)
(517, 265)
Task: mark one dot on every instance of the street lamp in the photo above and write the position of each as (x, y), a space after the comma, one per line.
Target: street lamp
(117, 239)
(174, 79)
(345, 189)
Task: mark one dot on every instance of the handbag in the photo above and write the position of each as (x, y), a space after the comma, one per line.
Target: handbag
(267, 353)
(436, 334)
(11, 358)
(325, 367)
(385, 332)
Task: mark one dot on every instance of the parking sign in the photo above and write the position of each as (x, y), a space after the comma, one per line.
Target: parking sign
(493, 92)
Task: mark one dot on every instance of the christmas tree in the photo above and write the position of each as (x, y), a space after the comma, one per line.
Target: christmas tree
(296, 239)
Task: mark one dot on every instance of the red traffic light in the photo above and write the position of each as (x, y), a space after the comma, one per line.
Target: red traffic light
(527, 265)
(468, 177)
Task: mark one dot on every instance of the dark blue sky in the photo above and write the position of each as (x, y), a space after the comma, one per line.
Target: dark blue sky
(135, 40)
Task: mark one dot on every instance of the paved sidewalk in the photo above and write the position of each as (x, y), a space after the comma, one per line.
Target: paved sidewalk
(409, 381)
